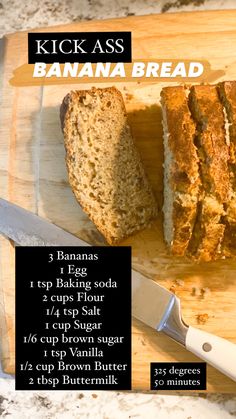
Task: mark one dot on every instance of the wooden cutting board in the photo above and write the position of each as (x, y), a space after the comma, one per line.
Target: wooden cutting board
(33, 175)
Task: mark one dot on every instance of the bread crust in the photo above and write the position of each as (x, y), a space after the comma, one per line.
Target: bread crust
(143, 188)
(199, 176)
(183, 176)
(213, 153)
(227, 94)
(208, 113)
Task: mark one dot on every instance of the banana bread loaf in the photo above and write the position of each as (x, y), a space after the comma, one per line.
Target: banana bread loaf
(198, 179)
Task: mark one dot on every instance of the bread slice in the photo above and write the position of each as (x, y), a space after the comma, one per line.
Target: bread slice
(181, 174)
(213, 153)
(227, 93)
(104, 166)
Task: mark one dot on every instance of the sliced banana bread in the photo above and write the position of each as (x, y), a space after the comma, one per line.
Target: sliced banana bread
(104, 167)
(197, 182)
(227, 93)
(181, 174)
(213, 153)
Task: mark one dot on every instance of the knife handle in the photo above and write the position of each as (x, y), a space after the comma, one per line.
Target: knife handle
(218, 352)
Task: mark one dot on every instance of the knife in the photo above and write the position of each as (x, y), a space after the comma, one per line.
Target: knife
(152, 304)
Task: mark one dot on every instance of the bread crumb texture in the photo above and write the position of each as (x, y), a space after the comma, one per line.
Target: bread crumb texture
(104, 167)
(202, 318)
(200, 170)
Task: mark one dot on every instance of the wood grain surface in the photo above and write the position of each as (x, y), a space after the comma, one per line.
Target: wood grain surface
(33, 175)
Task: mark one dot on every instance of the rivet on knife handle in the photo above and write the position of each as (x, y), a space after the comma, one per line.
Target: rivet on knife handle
(218, 352)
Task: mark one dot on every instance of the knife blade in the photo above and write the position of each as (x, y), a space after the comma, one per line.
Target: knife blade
(27, 229)
(152, 304)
